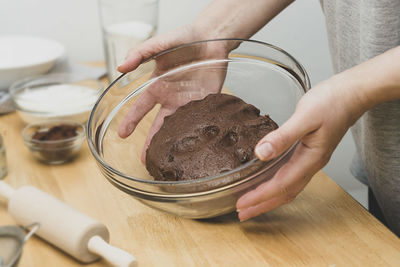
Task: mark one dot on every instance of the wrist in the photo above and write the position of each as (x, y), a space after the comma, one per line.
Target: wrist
(374, 81)
(346, 91)
(218, 20)
(368, 84)
(204, 29)
(237, 18)
(209, 27)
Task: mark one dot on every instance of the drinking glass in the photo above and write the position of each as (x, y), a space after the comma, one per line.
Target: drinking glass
(125, 25)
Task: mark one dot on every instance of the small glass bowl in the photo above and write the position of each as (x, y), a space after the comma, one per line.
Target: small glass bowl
(259, 73)
(55, 151)
(73, 98)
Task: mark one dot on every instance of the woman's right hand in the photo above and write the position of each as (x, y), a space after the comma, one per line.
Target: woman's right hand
(177, 90)
(221, 19)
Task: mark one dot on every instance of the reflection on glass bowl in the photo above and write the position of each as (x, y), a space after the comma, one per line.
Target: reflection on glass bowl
(261, 74)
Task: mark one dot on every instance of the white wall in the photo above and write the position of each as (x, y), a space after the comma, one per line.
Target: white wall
(300, 30)
(74, 23)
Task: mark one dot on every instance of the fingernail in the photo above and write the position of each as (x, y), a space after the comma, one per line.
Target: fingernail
(264, 151)
(238, 210)
(129, 128)
(243, 220)
(240, 216)
(119, 68)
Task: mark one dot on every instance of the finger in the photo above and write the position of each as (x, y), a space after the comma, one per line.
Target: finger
(276, 142)
(132, 61)
(157, 123)
(139, 109)
(139, 54)
(268, 205)
(289, 180)
(260, 208)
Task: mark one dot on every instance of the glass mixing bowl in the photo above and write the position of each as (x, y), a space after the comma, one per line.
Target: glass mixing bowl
(259, 73)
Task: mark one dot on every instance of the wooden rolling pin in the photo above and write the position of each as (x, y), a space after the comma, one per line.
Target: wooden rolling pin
(73, 232)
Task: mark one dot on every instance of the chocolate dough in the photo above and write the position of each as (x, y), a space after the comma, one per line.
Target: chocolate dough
(205, 138)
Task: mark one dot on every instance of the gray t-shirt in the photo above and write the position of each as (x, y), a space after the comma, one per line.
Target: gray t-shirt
(357, 31)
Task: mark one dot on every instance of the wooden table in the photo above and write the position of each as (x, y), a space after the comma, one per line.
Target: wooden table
(324, 226)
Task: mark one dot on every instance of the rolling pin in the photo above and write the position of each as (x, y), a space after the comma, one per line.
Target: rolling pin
(73, 232)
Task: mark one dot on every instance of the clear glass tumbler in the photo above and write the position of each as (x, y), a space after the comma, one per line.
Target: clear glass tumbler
(125, 25)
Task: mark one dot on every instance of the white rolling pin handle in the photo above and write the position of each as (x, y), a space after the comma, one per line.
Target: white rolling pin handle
(115, 256)
(6, 190)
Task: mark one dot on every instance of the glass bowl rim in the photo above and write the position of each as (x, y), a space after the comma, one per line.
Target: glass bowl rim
(30, 141)
(267, 164)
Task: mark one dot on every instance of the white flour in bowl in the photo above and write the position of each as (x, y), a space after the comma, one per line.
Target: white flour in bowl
(56, 101)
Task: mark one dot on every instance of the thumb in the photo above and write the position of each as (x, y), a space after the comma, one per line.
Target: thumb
(139, 54)
(153, 46)
(276, 142)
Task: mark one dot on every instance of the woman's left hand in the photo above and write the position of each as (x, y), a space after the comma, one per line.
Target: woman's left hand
(322, 117)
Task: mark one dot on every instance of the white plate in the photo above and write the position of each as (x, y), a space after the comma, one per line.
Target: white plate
(23, 56)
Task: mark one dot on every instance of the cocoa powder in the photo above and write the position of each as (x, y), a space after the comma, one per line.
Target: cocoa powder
(60, 132)
(50, 150)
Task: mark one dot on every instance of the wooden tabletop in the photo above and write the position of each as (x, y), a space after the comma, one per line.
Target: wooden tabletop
(324, 226)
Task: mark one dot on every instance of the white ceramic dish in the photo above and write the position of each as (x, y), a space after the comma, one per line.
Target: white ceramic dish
(23, 56)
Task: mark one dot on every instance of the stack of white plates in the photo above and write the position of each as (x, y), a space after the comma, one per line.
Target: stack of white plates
(23, 56)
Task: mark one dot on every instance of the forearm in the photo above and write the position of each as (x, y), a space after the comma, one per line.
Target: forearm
(237, 18)
(370, 83)
(220, 19)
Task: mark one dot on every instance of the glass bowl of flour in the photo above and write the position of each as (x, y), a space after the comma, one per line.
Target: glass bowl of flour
(64, 96)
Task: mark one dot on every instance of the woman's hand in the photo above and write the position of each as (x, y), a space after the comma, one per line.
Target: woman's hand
(220, 19)
(176, 90)
(322, 117)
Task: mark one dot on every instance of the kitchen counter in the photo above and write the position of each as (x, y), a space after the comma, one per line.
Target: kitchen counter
(323, 226)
